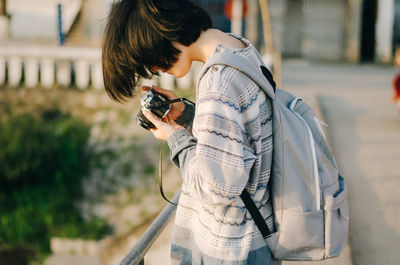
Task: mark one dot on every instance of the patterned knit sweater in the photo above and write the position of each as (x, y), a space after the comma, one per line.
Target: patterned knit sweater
(228, 149)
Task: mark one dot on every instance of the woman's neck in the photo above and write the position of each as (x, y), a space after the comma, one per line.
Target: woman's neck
(208, 41)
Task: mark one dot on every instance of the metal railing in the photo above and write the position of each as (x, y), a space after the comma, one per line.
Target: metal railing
(136, 255)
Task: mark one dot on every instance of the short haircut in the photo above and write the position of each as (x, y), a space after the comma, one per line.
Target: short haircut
(138, 37)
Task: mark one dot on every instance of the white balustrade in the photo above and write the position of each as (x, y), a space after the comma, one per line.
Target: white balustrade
(52, 63)
(167, 81)
(97, 75)
(47, 72)
(46, 66)
(82, 74)
(14, 71)
(31, 72)
(185, 82)
(63, 73)
(148, 82)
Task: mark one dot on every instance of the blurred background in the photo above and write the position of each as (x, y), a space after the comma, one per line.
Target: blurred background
(78, 177)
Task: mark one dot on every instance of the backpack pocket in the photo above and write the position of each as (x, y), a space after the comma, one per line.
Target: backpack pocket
(302, 238)
(336, 220)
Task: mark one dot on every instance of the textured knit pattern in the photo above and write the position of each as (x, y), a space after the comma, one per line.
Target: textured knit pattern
(229, 149)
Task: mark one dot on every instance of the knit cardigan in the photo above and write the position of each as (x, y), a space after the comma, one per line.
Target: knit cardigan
(229, 148)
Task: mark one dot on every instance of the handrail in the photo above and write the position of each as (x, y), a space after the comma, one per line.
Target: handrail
(136, 255)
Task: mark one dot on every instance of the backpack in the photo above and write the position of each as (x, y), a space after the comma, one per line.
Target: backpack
(308, 194)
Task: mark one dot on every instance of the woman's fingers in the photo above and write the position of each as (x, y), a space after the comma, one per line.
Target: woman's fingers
(159, 89)
(145, 88)
(168, 93)
(177, 108)
(163, 129)
(151, 117)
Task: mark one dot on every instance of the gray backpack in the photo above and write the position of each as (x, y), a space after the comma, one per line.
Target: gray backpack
(308, 194)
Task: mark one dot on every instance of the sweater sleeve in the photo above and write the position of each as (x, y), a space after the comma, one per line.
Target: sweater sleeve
(215, 165)
(186, 119)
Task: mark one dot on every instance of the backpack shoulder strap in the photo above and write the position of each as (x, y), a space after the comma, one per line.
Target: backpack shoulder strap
(257, 73)
(255, 214)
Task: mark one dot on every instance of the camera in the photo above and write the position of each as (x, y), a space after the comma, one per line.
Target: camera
(155, 102)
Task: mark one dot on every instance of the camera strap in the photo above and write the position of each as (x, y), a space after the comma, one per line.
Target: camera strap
(167, 102)
(160, 185)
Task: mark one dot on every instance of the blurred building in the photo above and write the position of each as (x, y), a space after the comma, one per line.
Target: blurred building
(44, 20)
(331, 30)
(337, 30)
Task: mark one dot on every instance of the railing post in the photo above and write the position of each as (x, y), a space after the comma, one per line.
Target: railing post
(97, 76)
(63, 73)
(47, 71)
(31, 72)
(81, 73)
(14, 71)
(147, 82)
(167, 81)
(185, 82)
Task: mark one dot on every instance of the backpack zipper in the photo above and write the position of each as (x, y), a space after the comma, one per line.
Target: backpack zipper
(314, 155)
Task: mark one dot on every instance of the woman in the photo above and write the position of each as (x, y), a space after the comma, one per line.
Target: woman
(222, 148)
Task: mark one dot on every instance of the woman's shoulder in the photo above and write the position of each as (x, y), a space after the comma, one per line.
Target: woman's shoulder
(221, 78)
(225, 80)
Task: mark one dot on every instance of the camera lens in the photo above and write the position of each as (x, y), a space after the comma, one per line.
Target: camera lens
(154, 102)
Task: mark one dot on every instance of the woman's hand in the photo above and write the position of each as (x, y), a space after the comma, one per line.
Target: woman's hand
(164, 129)
(176, 109)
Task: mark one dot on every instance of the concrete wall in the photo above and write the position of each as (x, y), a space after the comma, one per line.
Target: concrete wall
(324, 29)
(313, 29)
(278, 15)
(353, 30)
(38, 19)
(91, 23)
(330, 30)
(293, 28)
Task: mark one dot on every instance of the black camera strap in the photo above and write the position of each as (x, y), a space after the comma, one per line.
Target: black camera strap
(167, 102)
(160, 185)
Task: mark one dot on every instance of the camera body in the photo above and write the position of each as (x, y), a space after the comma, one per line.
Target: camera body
(155, 103)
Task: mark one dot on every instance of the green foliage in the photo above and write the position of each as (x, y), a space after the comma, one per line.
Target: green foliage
(42, 162)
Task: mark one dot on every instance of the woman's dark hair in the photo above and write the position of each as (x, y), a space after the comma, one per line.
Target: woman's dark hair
(138, 37)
